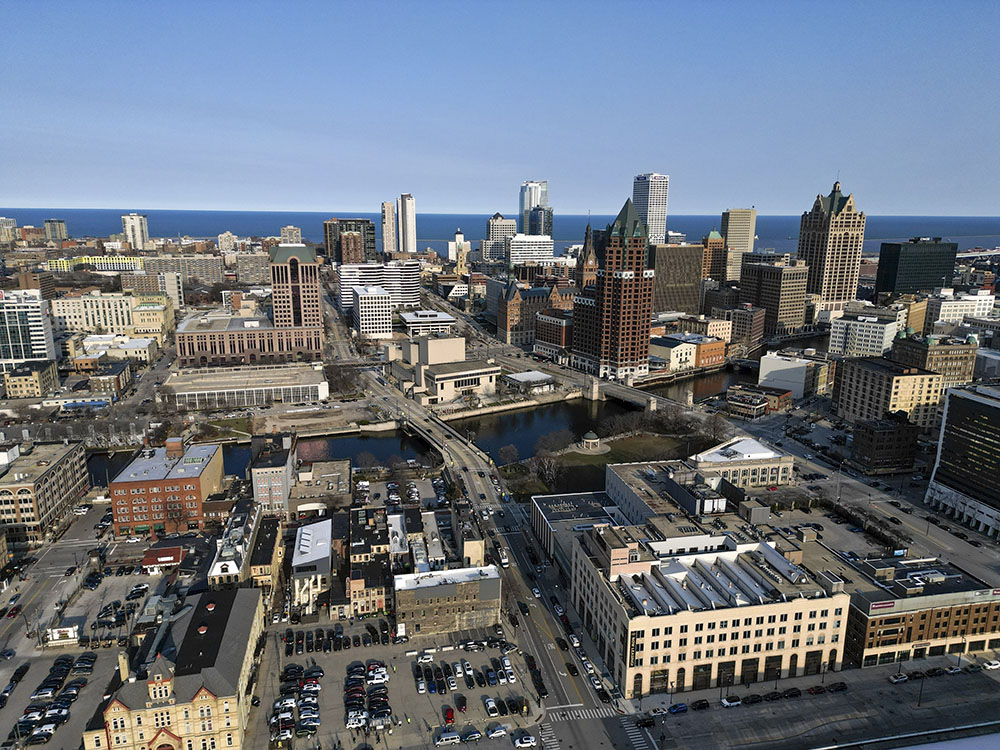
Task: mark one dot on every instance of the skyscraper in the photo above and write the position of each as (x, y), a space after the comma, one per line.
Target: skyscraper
(830, 240)
(389, 244)
(55, 230)
(649, 194)
(964, 481)
(713, 264)
(291, 235)
(533, 193)
(781, 290)
(540, 221)
(677, 281)
(498, 229)
(611, 319)
(739, 226)
(295, 289)
(349, 240)
(922, 264)
(585, 273)
(406, 216)
(25, 328)
(135, 230)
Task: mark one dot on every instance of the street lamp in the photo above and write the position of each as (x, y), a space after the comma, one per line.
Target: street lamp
(823, 668)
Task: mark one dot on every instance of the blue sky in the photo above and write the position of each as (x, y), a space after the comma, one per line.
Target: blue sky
(338, 106)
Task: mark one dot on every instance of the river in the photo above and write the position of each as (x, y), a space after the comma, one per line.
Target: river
(520, 428)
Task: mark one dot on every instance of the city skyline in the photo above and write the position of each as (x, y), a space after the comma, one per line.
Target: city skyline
(198, 138)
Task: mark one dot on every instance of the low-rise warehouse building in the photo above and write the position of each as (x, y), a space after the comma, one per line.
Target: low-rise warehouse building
(236, 387)
(447, 601)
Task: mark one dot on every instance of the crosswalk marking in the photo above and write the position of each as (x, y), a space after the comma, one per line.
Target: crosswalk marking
(548, 736)
(582, 713)
(638, 738)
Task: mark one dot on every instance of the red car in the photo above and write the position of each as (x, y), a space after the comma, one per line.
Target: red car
(14, 612)
(772, 488)
(449, 716)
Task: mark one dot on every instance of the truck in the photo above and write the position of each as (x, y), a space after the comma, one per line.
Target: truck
(502, 554)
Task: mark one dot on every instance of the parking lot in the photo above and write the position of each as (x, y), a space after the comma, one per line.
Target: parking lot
(418, 714)
(379, 493)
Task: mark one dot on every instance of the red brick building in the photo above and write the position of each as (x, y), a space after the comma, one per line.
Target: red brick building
(518, 308)
(611, 319)
(554, 333)
(163, 489)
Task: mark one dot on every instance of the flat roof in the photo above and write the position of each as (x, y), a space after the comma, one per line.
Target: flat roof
(313, 543)
(426, 316)
(226, 378)
(454, 368)
(411, 581)
(152, 464)
(531, 376)
(573, 506)
(738, 449)
(219, 321)
(31, 466)
(263, 547)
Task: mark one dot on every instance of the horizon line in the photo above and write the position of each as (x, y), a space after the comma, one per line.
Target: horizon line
(440, 213)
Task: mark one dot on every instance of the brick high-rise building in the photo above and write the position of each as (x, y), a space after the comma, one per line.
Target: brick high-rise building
(830, 240)
(296, 297)
(713, 264)
(585, 272)
(611, 319)
(953, 359)
(677, 283)
(781, 290)
(349, 240)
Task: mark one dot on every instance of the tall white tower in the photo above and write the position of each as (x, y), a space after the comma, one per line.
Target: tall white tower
(389, 244)
(406, 215)
(533, 193)
(649, 196)
(136, 231)
(739, 225)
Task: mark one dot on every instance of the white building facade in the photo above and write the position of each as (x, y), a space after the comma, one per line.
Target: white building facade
(136, 230)
(406, 216)
(862, 336)
(372, 311)
(522, 248)
(498, 230)
(25, 328)
(649, 196)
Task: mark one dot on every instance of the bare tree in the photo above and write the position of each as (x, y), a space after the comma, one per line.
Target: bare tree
(716, 427)
(508, 454)
(175, 515)
(366, 460)
(554, 441)
(547, 469)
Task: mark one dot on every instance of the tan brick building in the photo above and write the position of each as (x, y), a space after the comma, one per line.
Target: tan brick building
(447, 601)
(190, 685)
(872, 388)
(952, 358)
(32, 379)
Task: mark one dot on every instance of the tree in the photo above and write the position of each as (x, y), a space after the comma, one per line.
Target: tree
(547, 469)
(508, 454)
(716, 427)
(366, 460)
(553, 441)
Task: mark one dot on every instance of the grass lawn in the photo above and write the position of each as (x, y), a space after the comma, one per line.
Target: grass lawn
(627, 450)
(235, 424)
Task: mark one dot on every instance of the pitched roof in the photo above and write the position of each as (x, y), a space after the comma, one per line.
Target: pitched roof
(835, 202)
(627, 224)
(284, 253)
(511, 292)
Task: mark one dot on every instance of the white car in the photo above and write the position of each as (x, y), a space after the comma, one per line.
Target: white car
(133, 540)
(467, 666)
(458, 669)
(491, 708)
(452, 684)
(659, 711)
(421, 687)
(991, 664)
(425, 659)
(525, 740)
(284, 703)
(506, 662)
(898, 678)
(497, 731)
(510, 676)
(588, 667)
(731, 701)
(559, 611)
(537, 593)
(285, 735)
(574, 641)
(595, 682)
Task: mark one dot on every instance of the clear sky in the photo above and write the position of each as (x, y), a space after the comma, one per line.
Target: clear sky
(339, 106)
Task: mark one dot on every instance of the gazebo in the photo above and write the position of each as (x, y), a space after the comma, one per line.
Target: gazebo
(590, 441)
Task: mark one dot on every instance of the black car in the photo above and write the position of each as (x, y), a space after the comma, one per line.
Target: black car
(480, 680)
(357, 641)
(700, 705)
(523, 607)
(563, 646)
(837, 687)
(469, 682)
(791, 693)
(646, 722)
(603, 696)
(774, 695)
(501, 707)
(571, 668)
(752, 699)
(514, 705)
(366, 639)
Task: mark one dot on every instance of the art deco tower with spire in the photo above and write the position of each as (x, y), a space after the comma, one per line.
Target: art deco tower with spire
(830, 239)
